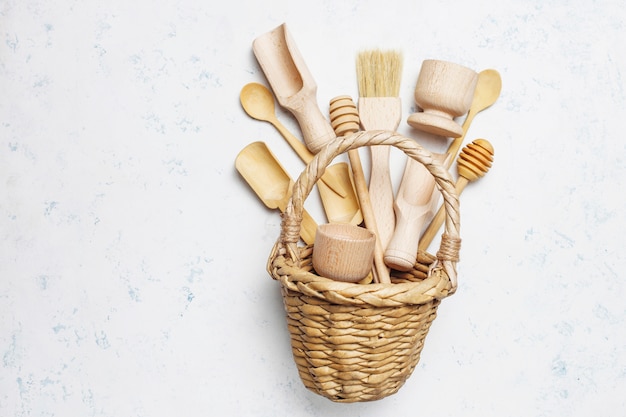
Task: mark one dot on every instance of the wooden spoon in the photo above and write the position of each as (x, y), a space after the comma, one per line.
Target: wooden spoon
(258, 102)
(473, 162)
(271, 183)
(487, 91)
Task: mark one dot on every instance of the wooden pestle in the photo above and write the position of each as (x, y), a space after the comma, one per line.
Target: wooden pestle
(473, 162)
(344, 119)
(443, 91)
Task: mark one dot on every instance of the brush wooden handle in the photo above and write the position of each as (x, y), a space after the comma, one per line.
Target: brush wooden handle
(345, 120)
(293, 85)
(381, 113)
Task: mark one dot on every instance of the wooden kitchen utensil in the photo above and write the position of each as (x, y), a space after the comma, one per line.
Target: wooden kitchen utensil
(258, 103)
(343, 252)
(292, 83)
(379, 74)
(344, 118)
(271, 183)
(474, 161)
(354, 342)
(413, 205)
(486, 93)
(444, 90)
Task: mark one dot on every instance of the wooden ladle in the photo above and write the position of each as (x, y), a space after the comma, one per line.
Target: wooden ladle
(271, 183)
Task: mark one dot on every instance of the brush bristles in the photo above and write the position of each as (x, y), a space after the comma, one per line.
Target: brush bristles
(379, 73)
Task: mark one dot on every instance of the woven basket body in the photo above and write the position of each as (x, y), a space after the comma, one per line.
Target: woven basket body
(355, 342)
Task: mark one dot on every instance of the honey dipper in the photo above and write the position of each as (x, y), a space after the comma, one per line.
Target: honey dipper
(344, 119)
(473, 162)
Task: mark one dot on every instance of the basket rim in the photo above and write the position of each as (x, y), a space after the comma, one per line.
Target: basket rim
(302, 279)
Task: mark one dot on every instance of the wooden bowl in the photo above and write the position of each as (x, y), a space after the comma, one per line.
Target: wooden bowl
(343, 252)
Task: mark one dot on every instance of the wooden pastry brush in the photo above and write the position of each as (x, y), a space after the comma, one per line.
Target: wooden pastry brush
(379, 74)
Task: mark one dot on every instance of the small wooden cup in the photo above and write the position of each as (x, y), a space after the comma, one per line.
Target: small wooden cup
(444, 90)
(343, 252)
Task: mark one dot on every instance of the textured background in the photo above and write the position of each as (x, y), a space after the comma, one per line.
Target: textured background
(132, 255)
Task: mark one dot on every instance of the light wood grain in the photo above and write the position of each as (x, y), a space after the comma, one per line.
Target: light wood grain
(444, 90)
(380, 108)
(293, 85)
(345, 120)
(486, 93)
(339, 206)
(258, 102)
(343, 252)
(413, 206)
(272, 184)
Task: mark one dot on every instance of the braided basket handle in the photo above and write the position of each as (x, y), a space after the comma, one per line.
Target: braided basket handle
(448, 252)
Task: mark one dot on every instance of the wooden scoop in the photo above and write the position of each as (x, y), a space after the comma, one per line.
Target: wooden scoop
(271, 183)
(293, 85)
(413, 205)
(473, 162)
(258, 103)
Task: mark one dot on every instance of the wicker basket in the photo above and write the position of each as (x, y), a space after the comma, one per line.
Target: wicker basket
(356, 342)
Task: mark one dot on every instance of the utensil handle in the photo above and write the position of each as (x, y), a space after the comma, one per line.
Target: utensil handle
(316, 130)
(413, 204)
(382, 272)
(300, 148)
(455, 145)
(306, 156)
(447, 255)
(437, 221)
(381, 113)
(381, 193)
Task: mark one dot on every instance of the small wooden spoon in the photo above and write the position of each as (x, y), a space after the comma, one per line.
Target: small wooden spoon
(271, 183)
(258, 102)
(487, 91)
(473, 162)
